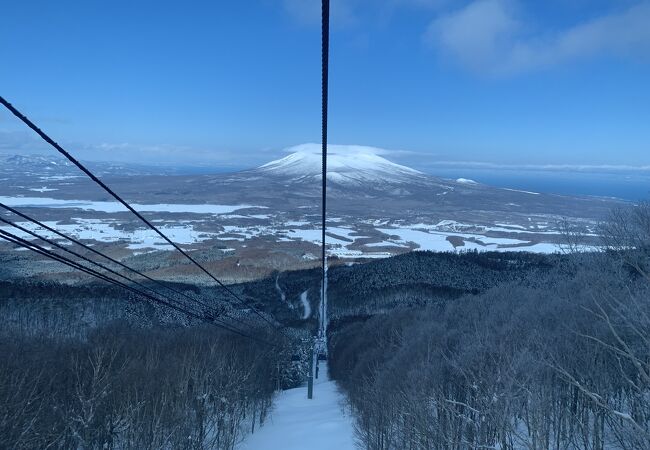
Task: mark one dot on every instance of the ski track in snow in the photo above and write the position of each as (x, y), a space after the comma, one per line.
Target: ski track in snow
(306, 306)
(297, 423)
(283, 296)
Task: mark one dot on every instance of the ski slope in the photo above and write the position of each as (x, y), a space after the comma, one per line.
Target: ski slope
(297, 423)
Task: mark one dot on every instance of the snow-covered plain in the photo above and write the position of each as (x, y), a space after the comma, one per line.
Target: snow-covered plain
(418, 236)
(297, 423)
(106, 231)
(112, 207)
(43, 189)
(439, 242)
(343, 238)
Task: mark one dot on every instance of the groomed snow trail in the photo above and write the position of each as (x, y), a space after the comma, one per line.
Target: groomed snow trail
(305, 305)
(300, 424)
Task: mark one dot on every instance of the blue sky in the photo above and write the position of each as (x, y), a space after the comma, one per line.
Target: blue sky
(233, 83)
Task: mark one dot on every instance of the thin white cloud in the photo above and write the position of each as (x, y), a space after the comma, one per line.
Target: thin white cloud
(311, 147)
(489, 36)
(476, 35)
(23, 141)
(539, 167)
(26, 143)
(165, 154)
(419, 160)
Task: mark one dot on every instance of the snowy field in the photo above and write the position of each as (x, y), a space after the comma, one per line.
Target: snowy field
(297, 423)
(439, 242)
(108, 231)
(346, 237)
(112, 207)
(185, 232)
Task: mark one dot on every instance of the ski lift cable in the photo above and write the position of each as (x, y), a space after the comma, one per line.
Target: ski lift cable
(101, 266)
(68, 262)
(324, 106)
(112, 260)
(81, 167)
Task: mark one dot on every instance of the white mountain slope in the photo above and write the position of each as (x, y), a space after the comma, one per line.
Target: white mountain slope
(346, 164)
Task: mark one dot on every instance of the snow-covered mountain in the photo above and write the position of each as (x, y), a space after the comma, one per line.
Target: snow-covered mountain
(346, 165)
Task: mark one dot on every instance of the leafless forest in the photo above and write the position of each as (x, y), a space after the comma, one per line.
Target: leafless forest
(126, 388)
(557, 361)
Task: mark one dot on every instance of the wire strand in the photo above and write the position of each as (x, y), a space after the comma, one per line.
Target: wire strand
(113, 260)
(66, 261)
(81, 167)
(103, 267)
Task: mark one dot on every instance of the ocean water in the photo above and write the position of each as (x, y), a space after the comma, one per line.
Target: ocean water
(627, 186)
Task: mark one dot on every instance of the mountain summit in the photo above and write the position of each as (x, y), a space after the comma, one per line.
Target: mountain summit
(346, 165)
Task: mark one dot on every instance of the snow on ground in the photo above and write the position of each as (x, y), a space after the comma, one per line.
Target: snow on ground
(60, 177)
(542, 247)
(386, 244)
(296, 223)
(344, 252)
(438, 242)
(105, 231)
(147, 238)
(426, 241)
(297, 423)
(250, 216)
(315, 236)
(424, 236)
(518, 190)
(521, 230)
(306, 307)
(111, 207)
(241, 233)
(341, 240)
(348, 164)
(283, 296)
(335, 247)
(509, 225)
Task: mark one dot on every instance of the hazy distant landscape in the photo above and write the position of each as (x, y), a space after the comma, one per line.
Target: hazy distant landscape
(325, 225)
(271, 213)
